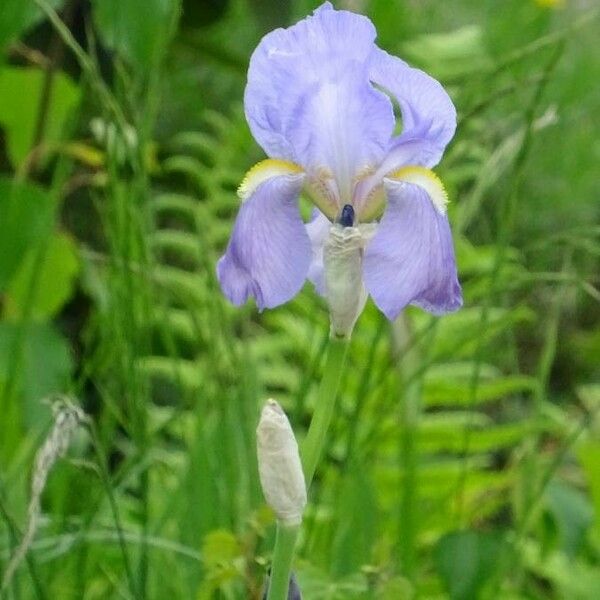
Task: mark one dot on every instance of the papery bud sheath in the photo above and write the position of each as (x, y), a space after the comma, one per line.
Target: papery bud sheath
(279, 465)
(344, 287)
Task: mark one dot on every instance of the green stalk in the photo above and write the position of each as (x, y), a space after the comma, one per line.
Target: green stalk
(315, 439)
(285, 542)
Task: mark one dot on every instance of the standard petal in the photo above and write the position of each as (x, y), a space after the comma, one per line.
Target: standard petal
(428, 115)
(318, 230)
(309, 98)
(410, 260)
(269, 252)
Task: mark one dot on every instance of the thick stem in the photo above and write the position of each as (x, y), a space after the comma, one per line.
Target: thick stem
(317, 432)
(285, 542)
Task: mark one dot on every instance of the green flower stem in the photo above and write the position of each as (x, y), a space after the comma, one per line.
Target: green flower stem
(285, 542)
(317, 432)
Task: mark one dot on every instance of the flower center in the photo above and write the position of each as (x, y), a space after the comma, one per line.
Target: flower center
(368, 196)
(346, 218)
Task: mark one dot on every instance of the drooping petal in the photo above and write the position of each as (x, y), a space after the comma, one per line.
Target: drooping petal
(309, 99)
(269, 252)
(410, 260)
(428, 114)
(318, 230)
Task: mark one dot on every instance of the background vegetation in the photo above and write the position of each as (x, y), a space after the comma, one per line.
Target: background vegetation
(464, 460)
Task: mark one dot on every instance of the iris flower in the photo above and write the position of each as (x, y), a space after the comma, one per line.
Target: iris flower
(320, 102)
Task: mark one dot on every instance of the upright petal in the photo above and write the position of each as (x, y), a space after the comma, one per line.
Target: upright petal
(269, 252)
(309, 98)
(428, 115)
(410, 260)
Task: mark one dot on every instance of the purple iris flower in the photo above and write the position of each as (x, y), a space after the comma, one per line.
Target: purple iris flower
(319, 101)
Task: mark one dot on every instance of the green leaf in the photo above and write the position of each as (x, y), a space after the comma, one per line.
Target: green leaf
(222, 557)
(138, 32)
(179, 246)
(467, 560)
(446, 431)
(443, 392)
(44, 368)
(397, 588)
(479, 260)
(18, 15)
(271, 13)
(21, 92)
(220, 546)
(178, 372)
(356, 528)
(318, 585)
(459, 334)
(490, 173)
(571, 579)
(588, 453)
(450, 55)
(183, 286)
(54, 279)
(590, 393)
(26, 217)
(573, 513)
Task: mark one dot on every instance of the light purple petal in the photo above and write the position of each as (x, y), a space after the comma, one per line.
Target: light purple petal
(269, 252)
(410, 260)
(428, 115)
(318, 230)
(309, 99)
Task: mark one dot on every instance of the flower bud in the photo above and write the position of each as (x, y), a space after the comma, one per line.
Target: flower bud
(344, 287)
(279, 465)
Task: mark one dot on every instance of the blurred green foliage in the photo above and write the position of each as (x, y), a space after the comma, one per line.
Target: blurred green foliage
(464, 459)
